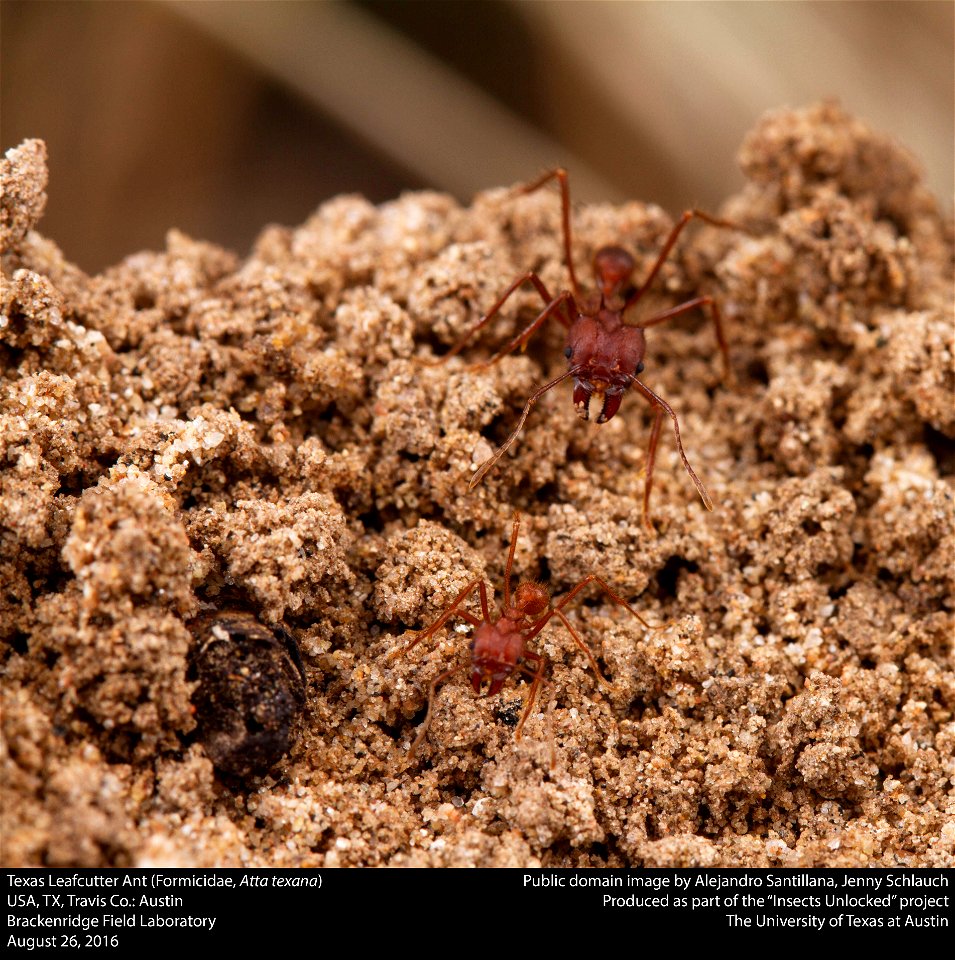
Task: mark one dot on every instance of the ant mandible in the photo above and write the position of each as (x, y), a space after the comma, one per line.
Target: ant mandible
(605, 354)
(498, 647)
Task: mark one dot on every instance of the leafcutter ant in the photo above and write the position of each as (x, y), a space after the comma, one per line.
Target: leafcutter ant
(498, 646)
(604, 352)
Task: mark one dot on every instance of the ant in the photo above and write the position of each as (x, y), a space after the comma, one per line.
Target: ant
(605, 353)
(498, 647)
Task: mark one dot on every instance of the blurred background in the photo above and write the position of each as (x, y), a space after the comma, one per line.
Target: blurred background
(220, 117)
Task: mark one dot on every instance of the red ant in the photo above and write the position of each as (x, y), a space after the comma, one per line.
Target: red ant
(498, 647)
(605, 353)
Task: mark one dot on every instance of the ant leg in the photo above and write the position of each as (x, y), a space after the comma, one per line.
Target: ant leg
(489, 463)
(538, 678)
(528, 332)
(529, 277)
(657, 402)
(482, 590)
(717, 323)
(515, 530)
(593, 578)
(565, 317)
(560, 175)
(688, 215)
(446, 616)
(583, 646)
(557, 611)
(648, 470)
(427, 717)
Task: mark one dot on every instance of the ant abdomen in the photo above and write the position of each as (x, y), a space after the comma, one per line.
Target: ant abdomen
(613, 267)
(531, 599)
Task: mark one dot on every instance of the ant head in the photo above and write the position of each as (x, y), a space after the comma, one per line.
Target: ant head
(613, 267)
(604, 363)
(531, 599)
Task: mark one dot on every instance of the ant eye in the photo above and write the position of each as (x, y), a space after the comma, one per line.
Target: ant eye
(471, 646)
(639, 367)
(569, 352)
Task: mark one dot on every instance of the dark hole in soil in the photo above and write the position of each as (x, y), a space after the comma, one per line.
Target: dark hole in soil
(669, 576)
(510, 713)
(942, 449)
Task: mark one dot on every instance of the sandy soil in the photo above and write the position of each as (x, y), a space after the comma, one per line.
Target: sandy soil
(222, 475)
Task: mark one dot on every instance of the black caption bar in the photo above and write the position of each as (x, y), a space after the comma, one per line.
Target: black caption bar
(118, 911)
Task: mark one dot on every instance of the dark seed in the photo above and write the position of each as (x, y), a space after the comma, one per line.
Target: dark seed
(509, 713)
(251, 688)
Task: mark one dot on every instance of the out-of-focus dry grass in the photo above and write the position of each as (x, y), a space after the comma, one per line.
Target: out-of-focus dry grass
(219, 117)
